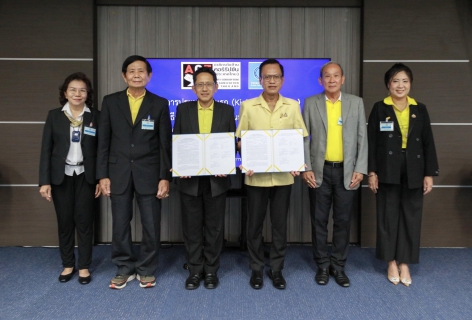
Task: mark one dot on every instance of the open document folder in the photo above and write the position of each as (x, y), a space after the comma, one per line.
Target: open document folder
(203, 154)
(272, 150)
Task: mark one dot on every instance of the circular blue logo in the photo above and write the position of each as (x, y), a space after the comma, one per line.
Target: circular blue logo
(256, 73)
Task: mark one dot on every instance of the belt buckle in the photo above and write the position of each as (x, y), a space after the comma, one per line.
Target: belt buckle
(334, 164)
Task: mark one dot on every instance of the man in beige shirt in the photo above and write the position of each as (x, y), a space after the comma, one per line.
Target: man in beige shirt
(269, 111)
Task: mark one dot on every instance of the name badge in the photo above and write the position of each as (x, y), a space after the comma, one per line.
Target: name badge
(386, 125)
(340, 121)
(147, 124)
(90, 131)
(75, 136)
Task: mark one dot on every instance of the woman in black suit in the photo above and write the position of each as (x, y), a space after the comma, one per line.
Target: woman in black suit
(402, 163)
(67, 172)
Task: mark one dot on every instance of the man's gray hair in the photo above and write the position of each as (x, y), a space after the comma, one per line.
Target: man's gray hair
(327, 64)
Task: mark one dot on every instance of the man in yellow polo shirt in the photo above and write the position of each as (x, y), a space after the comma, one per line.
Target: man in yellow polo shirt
(336, 159)
(203, 199)
(269, 111)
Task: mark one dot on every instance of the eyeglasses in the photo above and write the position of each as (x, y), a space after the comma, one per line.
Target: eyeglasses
(74, 90)
(272, 77)
(206, 85)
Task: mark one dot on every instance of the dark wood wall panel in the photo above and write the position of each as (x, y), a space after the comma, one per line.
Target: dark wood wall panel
(427, 31)
(26, 219)
(46, 29)
(420, 29)
(453, 144)
(447, 221)
(20, 146)
(33, 87)
(234, 3)
(445, 88)
(42, 43)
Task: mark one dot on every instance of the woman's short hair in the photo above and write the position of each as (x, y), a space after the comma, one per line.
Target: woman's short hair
(396, 68)
(80, 76)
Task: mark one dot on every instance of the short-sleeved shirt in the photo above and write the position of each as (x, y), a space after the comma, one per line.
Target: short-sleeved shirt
(255, 114)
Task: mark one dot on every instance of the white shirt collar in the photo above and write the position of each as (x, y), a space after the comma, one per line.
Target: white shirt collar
(340, 95)
(66, 107)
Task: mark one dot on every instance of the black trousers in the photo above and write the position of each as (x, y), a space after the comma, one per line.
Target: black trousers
(123, 255)
(203, 218)
(399, 212)
(331, 193)
(258, 197)
(76, 206)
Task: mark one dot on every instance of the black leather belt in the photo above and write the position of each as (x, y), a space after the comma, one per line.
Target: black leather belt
(333, 164)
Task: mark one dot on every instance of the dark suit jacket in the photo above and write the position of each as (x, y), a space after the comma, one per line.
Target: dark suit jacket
(56, 143)
(385, 147)
(186, 122)
(125, 149)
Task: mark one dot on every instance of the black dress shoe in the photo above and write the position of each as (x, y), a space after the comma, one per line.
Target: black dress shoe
(85, 280)
(193, 281)
(211, 281)
(322, 276)
(340, 277)
(66, 277)
(257, 280)
(277, 278)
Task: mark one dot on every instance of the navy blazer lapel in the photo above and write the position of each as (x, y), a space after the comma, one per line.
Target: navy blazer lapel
(216, 118)
(193, 117)
(414, 114)
(123, 104)
(144, 109)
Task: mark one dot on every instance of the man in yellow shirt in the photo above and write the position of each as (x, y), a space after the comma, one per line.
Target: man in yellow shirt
(134, 161)
(336, 159)
(203, 199)
(269, 111)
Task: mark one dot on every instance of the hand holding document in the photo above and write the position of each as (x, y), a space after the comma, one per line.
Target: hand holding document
(203, 154)
(272, 150)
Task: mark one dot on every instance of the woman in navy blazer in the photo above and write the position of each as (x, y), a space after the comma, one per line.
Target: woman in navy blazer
(67, 172)
(402, 163)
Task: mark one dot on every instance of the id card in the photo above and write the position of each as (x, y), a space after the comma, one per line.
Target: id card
(386, 125)
(147, 124)
(90, 131)
(75, 136)
(340, 121)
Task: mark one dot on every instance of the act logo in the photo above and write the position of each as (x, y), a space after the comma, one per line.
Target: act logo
(187, 71)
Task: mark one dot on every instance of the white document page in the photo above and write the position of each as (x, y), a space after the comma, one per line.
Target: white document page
(220, 153)
(187, 155)
(256, 150)
(289, 153)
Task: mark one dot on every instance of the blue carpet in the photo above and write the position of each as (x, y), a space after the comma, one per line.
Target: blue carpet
(441, 289)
